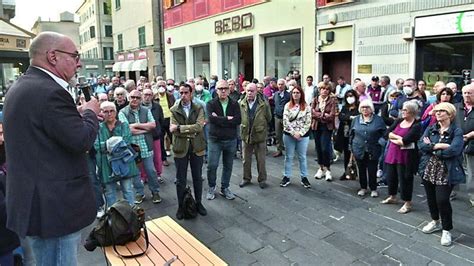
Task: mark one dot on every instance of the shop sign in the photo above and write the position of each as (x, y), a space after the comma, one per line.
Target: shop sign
(364, 69)
(453, 23)
(234, 23)
(142, 55)
(130, 56)
(20, 43)
(92, 66)
(121, 57)
(4, 41)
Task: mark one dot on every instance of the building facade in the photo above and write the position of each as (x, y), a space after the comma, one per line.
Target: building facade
(430, 40)
(95, 38)
(65, 25)
(14, 45)
(231, 38)
(137, 38)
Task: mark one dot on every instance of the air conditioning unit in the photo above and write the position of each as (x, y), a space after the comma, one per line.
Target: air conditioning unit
(407, 34)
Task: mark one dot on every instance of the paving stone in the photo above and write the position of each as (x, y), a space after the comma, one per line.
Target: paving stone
(391, 211)
(257, 228)
(302, 256)
(239, 236)
(405, 256)
(394, 237)
(270, 256)
(394, 225)
(341, 241)
(281, 226)
(277, 241)
(380, 260)
(321, 215)
(256, 212)
(438, 253)
(201, 230)
(231, 253)
(466, 240)
(463, 252)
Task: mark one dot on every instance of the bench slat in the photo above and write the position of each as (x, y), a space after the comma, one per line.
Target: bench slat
(160, 248)
(205, 251)
(170, 244)
(123, 250)
(135, 249)
(182, 242)
(113, 259)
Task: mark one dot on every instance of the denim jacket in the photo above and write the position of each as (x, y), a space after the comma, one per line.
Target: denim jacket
(364, 137)
(451, 156)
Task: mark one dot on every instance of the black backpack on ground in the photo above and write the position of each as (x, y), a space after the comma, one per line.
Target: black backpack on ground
(189, 204)
(120, 225)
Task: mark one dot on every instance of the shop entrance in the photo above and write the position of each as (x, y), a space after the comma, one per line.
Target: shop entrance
(237, 59)
(337, 64)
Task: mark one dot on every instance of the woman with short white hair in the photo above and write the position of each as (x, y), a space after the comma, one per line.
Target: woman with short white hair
(120, 95)
(367, 129)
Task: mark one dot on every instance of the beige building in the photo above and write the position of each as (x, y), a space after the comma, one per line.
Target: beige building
(65, 25)
(253, 38)
(137, 38)
(95, 37)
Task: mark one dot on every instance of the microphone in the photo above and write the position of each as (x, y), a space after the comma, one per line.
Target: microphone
(84, 87)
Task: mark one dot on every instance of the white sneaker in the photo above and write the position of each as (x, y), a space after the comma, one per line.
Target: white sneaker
(379, 173)
(100, 213)
(374, 194)
(319, 174)
(361, 192)
(328, 175)
(431, 227)
(446, 238)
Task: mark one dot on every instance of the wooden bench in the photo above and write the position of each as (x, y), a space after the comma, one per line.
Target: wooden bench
(170, 244)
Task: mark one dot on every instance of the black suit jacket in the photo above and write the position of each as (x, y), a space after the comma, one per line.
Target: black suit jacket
(220, 127)
(49, 193)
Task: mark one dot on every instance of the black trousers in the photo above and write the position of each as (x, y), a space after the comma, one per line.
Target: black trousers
(397, 173)
(181, 175)
(439, 204)
(368, 168)
(165, 130)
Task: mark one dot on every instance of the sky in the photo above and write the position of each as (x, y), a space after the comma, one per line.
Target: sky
(28, 11)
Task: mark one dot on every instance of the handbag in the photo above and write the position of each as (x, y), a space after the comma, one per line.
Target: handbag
(189, 204)
(120, 225)
(351, 170)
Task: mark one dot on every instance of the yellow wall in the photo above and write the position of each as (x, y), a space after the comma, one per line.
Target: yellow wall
(342, 39)
(270, 18)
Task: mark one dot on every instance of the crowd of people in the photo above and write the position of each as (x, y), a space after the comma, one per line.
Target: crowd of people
(392, 133)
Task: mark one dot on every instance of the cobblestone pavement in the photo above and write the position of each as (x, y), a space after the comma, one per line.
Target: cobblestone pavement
(325, 225)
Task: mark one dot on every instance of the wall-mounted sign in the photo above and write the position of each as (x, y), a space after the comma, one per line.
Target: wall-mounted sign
(120, 57)
(453, 23)
(130, 56)
(4, 41)
(14, 43)
(234, 23)
(142, 55)
(21, 43)
(92, 66)
(364, 69)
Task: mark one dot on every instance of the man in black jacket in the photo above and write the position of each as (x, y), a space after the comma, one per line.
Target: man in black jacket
(224, 117)
(49, 193)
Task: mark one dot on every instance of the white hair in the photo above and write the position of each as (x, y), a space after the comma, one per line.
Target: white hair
(366, 102)
(120, 90)
(108, 104)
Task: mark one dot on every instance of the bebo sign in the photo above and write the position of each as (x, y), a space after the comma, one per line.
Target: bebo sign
(234, 23)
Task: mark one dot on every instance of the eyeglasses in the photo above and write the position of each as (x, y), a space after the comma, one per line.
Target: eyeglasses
(184, 92)
(223, 88)
(135, 97)
(76, 55)
(148, 94)
(108, 111)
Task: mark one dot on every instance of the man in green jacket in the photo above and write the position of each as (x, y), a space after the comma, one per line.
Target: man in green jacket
(189, 146)
(255, 114)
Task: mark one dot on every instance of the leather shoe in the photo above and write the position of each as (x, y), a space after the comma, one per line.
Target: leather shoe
(166, 163)
(180, 214)
(263, 185)
(277, 154)
(244, 182)
(200, 209)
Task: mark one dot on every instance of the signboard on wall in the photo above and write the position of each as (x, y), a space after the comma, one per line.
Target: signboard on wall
(364, 69)
(234, 23)
(452, 23)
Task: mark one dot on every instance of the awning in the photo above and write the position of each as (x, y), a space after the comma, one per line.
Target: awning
(126, 66)
(140, 65)
(117, 66)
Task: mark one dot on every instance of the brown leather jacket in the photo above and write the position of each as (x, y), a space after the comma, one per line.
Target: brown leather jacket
(326, 116)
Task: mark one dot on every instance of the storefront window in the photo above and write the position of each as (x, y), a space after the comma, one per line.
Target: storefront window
(445, 61)
(282, 54)
(202, 61)
(230, 60)
(179, 60)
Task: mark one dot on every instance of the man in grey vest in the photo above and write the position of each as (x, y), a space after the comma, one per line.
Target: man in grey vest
(142, 124)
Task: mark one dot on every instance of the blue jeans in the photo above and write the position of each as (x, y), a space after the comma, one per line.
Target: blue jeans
(323, 143)
(300, 146)
(99, 200)
(215, 148)
(55, 251)
(127, 191)
(153, 184)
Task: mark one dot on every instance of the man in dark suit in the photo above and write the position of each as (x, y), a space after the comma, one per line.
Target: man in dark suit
(49, 194)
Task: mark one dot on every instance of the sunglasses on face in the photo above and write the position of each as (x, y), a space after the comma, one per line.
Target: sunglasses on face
(223, 88)
(135, 97)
